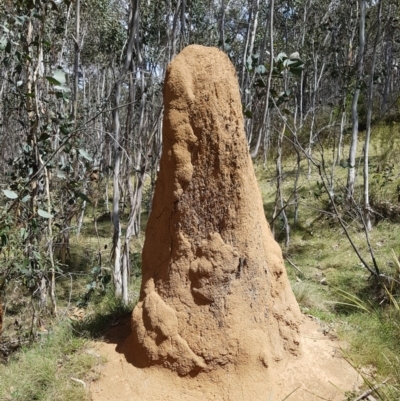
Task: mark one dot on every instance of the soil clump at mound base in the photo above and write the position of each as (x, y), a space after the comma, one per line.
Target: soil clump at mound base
(319, 374)
(216, 318)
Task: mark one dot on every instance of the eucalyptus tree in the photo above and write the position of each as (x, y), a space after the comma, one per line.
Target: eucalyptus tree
(351, 177)
(28, 53)
(49, 160)
(367, 208)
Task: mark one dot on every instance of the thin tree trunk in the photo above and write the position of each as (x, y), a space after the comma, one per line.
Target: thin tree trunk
(340, 141)
(65, 234)
(50, 245)
(317, 81)
(262, 126)
(246, 46)
(222, 26)
(367, 209)
(174, 26)
(116, 195)
(119, 274)
(388, 66)
(351, 177)
(279, 208)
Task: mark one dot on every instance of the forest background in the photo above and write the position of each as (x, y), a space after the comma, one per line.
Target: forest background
(80, 140)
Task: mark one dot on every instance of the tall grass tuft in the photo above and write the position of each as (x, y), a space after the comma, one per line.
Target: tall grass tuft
(53, 369)
(374, 335)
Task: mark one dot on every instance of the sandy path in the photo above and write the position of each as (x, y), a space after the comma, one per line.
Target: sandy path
(320, 374)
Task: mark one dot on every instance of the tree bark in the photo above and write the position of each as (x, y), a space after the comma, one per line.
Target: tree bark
(262, 126)
(367, 209)
(351, 177)
(119, 274)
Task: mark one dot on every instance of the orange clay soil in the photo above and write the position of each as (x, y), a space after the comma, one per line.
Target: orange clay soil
(319, 374)
(216, 318)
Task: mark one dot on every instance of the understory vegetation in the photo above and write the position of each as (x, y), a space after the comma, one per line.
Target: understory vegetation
(328, 279)
(81, 119)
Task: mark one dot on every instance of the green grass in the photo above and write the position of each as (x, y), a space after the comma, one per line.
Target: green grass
(105, 312)
(60, 365)
(53, 369)
(368, 320)
(330, 268)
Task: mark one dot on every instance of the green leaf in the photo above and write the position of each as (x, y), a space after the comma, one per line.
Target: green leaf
(58, 80)
(10, 194)
(59, 75)
(96, 270)
(248, 113)
(281, 57)
(53, 81)
(8, 47)
(261, 69)
(293, 63)
(62, 88)
(44, 214)
(227, 47)
(3, 43)
(4, 239)
(83, 196)
(23, 234)
(296, 70)
(85, 154)
(249, 63)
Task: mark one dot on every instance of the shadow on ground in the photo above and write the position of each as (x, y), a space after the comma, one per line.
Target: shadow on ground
(121, 335)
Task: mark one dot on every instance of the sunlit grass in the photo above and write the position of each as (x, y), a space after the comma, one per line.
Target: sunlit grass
(368, 317)
(57, 368)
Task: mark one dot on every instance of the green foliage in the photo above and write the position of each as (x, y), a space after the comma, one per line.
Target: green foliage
(107, 33)
(99, 282)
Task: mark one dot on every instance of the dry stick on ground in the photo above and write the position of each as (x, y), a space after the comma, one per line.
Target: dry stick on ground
(370, 391)
(78, 381)
(292, 264)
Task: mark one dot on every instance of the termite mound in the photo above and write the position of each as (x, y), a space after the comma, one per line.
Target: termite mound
(215, 291)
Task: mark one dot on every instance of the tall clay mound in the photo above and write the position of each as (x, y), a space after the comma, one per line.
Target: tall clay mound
(216, 318)
(215, 291)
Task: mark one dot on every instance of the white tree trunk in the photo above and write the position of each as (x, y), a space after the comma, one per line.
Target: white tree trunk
(262, 126)
(351, 177)
(367, 209)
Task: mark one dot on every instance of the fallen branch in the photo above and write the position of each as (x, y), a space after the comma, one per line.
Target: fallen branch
(292, 264)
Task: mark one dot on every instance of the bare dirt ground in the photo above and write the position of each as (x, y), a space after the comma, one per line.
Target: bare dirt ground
(321, 373)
